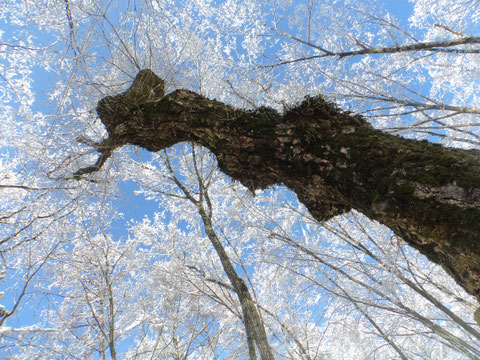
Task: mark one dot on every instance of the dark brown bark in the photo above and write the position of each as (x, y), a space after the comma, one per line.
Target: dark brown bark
(333, 160)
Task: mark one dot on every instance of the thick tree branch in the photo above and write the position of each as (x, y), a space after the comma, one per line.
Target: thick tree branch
(333, 160)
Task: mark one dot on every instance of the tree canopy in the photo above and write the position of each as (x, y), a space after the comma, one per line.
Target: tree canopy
(193, 249)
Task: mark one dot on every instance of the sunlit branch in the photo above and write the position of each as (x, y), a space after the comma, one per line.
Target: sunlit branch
(415, 286)
(434, 46)
(32, 188)
(452, 340)
(73, 41)
(458, 109)
(32, 272)
(434, 127)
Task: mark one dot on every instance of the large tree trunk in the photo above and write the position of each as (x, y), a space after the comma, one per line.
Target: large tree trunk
(333, 160)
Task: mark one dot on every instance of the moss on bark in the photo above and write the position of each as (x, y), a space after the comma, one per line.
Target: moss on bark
(334, 161)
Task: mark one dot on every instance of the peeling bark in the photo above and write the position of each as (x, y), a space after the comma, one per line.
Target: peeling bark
(333, 160)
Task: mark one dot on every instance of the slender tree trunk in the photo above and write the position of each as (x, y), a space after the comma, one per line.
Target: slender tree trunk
(111, 321)
(333, 160)
(254, 326)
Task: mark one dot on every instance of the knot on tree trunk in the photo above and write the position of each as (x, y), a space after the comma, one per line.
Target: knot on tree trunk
(114, 111)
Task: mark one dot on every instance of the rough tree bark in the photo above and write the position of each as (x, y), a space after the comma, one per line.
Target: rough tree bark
(333, 160)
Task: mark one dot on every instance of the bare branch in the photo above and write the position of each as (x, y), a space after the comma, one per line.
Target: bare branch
(105, 148)
(73, 41)
(434, 46)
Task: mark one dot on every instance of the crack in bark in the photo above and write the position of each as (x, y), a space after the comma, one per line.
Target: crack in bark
(450, 194)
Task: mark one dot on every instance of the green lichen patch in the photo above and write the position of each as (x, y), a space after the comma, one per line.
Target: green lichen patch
(259, 122)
